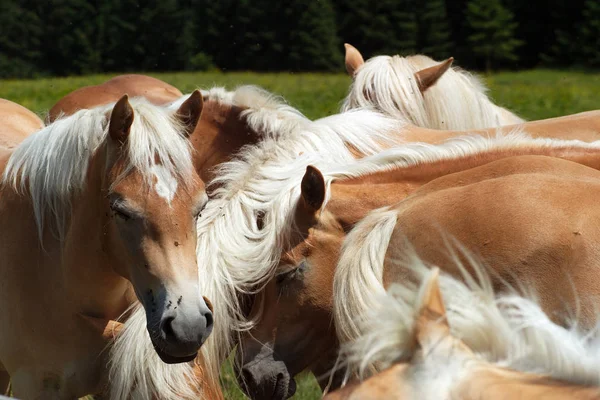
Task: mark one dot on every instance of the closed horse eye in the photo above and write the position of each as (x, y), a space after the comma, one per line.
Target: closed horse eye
(121, 214)
(291, 274)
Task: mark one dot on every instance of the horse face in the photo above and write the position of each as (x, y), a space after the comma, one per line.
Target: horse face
(151, 237)
(295, 329)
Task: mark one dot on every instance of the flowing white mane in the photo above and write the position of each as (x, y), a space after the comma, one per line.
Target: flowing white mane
(509, 330)
(457, 101)
(236, 253)
(265, 113)
(249, 219)
(245, 223)
(51, 165)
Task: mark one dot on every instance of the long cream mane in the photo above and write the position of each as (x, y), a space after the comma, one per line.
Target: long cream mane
(51, 165)
(509, 330)
(237, 254)
(457, 101)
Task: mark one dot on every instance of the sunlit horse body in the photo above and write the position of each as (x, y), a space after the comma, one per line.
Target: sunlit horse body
(237, 249)
(423, 92)
(16, 123)
(97, 209)
(152, 89)
(295, 330)
(445, 339)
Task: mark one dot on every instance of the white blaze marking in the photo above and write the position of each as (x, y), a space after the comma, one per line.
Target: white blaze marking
(166, 184)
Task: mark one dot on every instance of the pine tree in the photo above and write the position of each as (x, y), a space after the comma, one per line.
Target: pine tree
(382, 27)
(433, 38)
(20, 41)
(313, 42)
(492, 28)
(589, 34)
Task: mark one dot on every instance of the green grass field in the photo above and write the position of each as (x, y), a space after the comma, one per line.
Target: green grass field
(535, 94)
(532, 94)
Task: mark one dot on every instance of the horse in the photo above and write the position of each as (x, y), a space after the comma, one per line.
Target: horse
(293, 328)
(243, 125)
(429, 343)
(98, 211)
(154, 90)
(422, 91)
(241, 141)
(16, 123)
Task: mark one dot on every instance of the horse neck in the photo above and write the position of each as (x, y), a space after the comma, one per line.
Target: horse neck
(87, 265)
(351, 199)
(491, 382)
(220, 134)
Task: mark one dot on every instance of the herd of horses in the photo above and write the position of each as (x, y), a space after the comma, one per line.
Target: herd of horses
(423, 243)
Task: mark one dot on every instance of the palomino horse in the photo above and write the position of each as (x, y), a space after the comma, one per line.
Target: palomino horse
(16, 123)
(423, 92)
(507, 348)
(154, 90)
(112, 197)
(295, 330)
(229, 121)
(249, 136)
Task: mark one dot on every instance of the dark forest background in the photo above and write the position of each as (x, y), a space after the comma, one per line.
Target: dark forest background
(68, 37)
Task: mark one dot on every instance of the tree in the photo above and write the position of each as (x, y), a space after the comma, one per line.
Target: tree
(313, 42)
(493, 30)
(433, 38)
(382, 27)
(589, 34)
(20, 37)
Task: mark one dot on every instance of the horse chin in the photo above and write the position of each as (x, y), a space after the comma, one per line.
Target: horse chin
(169, 359)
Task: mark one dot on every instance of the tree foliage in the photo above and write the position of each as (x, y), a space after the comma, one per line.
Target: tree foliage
(65, 37)
(492, 31)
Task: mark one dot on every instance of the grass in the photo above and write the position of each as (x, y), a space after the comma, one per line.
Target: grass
(534, 94)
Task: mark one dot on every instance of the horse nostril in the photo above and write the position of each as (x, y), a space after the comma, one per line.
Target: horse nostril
(167, 328)
(209, 319)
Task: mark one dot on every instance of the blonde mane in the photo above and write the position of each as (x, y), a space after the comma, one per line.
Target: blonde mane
(457, 101)
(51, 165)
(236, 253)
(249, 218)
(509, 330)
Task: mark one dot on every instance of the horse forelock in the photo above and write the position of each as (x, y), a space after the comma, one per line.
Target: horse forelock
(51, 166)
(457, 101)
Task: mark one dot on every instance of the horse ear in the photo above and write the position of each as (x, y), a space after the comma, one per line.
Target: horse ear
(431, 321)
(190, 111)
(121, 119)
(427, 77)
(108, 328)
(313, 188)
(354, 60)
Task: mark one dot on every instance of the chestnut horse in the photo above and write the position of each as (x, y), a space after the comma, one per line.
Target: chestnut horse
(154, 90)
(98, 209)
(507, 348)
(236, 231)
(295, 331)
(423, 92)
(16, 123)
